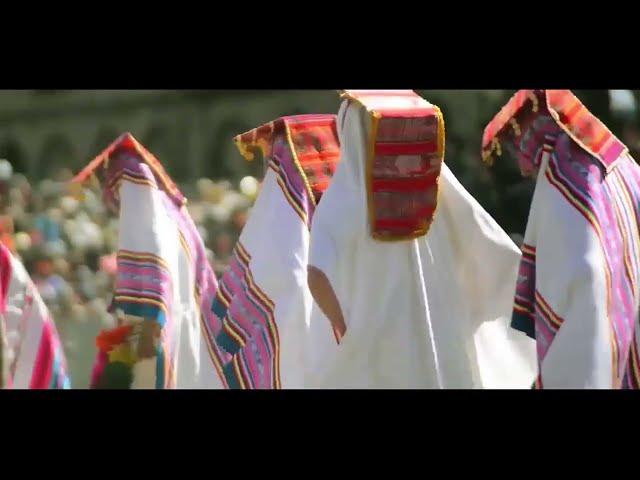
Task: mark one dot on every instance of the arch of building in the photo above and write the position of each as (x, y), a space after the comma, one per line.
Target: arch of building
(190, 132)
(13, 151)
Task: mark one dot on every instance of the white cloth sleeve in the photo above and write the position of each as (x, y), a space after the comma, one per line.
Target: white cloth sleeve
(488, 266)
(571, 286)
(323, 253)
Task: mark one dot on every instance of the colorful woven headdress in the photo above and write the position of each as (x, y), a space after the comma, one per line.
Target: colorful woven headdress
(127, 143)
(311, 140)
(529, 123)
(404, 160)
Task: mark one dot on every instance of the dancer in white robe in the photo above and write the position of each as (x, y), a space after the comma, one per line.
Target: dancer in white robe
(263, 301)
(417, 297)
(32, 354)
(577, 292)
(164, 286)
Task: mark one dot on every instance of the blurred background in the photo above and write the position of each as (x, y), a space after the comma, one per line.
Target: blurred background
(68, 244)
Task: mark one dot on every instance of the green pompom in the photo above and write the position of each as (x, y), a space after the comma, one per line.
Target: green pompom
(116, 376)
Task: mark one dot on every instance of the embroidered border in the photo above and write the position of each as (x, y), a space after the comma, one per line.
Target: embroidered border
(143, 286)
(297, 202)
(205, 288)
(608, 207)
(303, 151)
(523, 318)
(249, 333)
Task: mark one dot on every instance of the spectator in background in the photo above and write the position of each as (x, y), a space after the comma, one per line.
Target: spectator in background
(68, 240)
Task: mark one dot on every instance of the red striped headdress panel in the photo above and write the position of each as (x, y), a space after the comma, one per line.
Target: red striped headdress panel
(312, 139)
(404, 160)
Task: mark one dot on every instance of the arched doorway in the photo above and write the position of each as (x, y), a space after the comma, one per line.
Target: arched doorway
(103, 139)
(11, 150)
(159, 140)
(57, 153)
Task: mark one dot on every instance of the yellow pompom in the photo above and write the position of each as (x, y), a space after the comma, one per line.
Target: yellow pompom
(123, 354)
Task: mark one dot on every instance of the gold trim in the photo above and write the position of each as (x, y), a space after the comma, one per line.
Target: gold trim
(368, 167)
(243, 149)
(441, 154)
(298, 164)
(441, 132)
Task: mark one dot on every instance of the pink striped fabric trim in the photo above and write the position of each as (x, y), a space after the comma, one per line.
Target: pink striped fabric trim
(5, 276)
(41, 376)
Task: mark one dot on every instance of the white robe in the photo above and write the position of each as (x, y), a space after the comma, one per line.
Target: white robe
(427, 313)
(277, 240)
(33, 354)
(264, 302)
(162, 275)
(147, 227)
(571, 297)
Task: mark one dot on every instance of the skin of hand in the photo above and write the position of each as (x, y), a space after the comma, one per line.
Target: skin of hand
(326, 299)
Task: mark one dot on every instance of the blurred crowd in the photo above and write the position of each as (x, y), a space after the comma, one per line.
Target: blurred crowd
(68, 242)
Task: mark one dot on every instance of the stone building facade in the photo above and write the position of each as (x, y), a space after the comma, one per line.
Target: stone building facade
(190, 131)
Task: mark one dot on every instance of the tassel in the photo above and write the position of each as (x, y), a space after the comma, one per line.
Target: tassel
(516, 127)
(94, 182)
(495, 144)
(243, 148)
(534, 99)
(487, 157)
